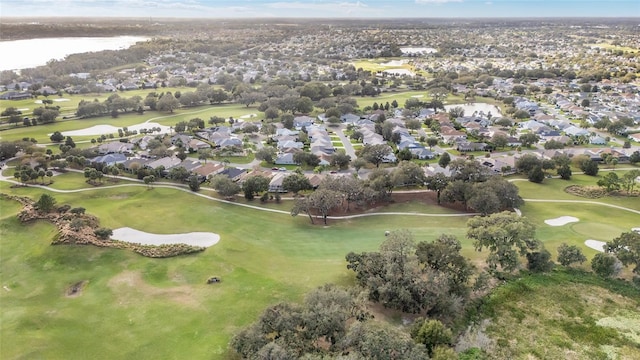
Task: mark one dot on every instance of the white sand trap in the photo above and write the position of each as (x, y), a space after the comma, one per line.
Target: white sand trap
(25, 109)
(110, 129)
(248, 116)
(393, 63)
(417, 96)
(204, 239)
(38, 102)
(61, 100)
(562, 220)
(595, 245)
(636, 229)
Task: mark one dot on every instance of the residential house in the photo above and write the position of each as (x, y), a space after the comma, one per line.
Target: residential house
(285, 159)
(115, 147)
(110, 159)
(275, 185)
(209, 169)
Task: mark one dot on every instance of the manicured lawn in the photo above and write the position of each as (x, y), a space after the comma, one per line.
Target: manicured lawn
(162, 307)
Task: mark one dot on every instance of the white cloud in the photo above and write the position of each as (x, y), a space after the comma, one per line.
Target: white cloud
(489, 3)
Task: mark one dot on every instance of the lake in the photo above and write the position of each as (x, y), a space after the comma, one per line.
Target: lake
(24, 54)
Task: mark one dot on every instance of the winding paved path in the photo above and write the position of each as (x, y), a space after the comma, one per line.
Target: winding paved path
(139, 183)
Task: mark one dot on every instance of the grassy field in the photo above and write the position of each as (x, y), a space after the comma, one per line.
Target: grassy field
(41, 132)
(162, 308)
(564, 315)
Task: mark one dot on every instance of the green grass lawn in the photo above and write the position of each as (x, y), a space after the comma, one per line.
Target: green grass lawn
(139, 303)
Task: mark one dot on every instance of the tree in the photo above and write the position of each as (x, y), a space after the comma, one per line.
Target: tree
(167, 103)
(296, 183)
(225, 186)
(628, 180)
(432, 142)
(305, 158)
(375, 154)
(539, 261)
(589, 167)
(564, 172)
(340, 159)
(456, 112)
(322, 201)
(267, 154)
(528, 162)
(499, 141)
(611, 182)
(149, 180)
(635, 157)
(431, 333)
(56, 137)
(626, 248)
(394, 278)
(254, 185)
(45, 203)
(536, 175)
(570, 254)
(69, 142)
(408, 173)
(506, 235)
(445, 160)
(529, 139)
(194, 183)
(605, 265)
(437, 183)
(443, 256)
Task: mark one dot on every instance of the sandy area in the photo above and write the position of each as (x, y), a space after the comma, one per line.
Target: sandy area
(204, 239)
(60, 100)
(248, 116)
(636, 229)
(110, 129)
(417, 96)
(562, 220)
(393, 63)
(595, 245)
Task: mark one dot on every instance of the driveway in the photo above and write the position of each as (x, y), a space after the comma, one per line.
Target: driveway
(348, 148)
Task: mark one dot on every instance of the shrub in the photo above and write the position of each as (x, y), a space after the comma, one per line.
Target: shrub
(103, 233)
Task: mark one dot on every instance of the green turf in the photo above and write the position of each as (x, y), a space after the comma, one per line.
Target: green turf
(139, 303)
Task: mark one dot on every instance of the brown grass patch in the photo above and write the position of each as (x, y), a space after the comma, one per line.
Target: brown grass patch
(590, 192)
(130, 287)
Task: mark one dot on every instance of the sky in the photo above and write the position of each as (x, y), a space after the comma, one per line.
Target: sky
(320, 8)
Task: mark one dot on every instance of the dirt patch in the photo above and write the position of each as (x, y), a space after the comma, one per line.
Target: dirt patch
(130, 288)
(75, 290)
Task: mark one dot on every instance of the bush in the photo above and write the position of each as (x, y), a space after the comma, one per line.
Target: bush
(539, 261)
(606, 265)
(103, 233)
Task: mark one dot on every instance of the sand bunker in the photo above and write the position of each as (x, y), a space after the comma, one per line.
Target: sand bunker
(248, 116)
(595, 245)
(636, 229)
(562, 220)
(393, 63)
(109, 129)
(204, 239)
